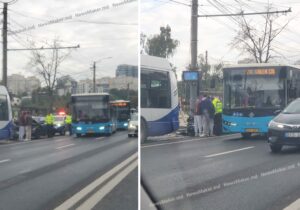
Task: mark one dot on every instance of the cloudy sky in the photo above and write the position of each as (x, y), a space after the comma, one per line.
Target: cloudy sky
(109, 33)
(216, 34)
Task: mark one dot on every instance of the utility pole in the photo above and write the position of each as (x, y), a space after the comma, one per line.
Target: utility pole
(194, 45)
(4, 36)
(94, 72)
(94, 77)
(194, 35)
(128, 95)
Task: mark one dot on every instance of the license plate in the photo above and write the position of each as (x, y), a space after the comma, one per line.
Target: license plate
(252, 130)
(292, 135)
(90, 131)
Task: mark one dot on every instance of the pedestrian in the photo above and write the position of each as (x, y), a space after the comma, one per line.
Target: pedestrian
(207, 110)
(211, 120)
(21, 125)
(28, 123)
(68, 122)
(198, 118)
(218, 116)
(49, 120)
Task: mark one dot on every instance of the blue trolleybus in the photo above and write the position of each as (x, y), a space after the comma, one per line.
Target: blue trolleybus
(255, 93)
(122, 112)
(92, 114)
(159, 97)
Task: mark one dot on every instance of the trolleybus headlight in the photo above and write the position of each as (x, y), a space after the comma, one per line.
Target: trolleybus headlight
(79, 128)
(125, 124)
(229, 123)
(102, 128)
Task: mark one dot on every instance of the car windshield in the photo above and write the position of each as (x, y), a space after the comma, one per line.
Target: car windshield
(134, 117)
(293, 108)
(59, 119)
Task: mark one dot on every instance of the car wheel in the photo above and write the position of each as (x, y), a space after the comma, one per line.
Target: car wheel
(246, 135)
(275, 148)
(144, 131)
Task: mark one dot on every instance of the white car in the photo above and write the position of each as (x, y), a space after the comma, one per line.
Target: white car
(133, 125)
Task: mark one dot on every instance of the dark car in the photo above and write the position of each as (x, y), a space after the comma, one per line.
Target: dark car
(284, 129)
(38, 129)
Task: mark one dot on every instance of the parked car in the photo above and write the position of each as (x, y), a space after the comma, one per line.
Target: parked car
(133, 125)
(284, 129)
(59, 125)
(38, 130)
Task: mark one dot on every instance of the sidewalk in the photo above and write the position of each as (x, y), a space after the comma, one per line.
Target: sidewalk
(3, 142)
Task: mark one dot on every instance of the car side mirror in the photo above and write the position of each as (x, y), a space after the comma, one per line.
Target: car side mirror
(277, 112)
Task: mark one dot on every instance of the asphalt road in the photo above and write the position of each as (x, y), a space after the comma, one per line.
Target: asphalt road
(224, 173)
(70, 173)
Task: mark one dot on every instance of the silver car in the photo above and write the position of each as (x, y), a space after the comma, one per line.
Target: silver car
(133, 125)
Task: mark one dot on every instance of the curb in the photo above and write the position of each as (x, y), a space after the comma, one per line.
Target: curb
(293, 206)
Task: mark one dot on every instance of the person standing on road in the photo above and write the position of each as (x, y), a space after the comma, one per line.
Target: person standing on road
(198, 118)
(28, 120)
(208, 111)
(68, 122)
(49, 120)
(218, 116)
(21, 126)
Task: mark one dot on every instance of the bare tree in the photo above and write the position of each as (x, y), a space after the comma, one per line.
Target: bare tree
(47, 63)
(258, 41)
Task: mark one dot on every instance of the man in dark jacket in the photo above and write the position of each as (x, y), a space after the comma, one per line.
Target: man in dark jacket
(208, 111)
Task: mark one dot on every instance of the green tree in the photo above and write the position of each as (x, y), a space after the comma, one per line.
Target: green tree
(161, 45)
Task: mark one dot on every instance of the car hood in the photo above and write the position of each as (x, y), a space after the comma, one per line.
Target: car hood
(292, 119)
(133, 122)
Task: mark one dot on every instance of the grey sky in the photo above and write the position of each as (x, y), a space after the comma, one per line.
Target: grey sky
(96, 40)
(216, 34)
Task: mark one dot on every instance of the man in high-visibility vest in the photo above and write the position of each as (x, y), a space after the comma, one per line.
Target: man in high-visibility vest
(218, 116)
(49, 120)
(68, 122)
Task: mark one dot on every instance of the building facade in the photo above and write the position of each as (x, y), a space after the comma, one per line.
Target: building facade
(18, 84)
(125, 70)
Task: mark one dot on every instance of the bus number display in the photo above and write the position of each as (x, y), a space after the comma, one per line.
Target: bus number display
(261, 72)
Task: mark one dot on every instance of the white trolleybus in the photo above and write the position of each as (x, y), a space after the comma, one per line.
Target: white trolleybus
(6, 121)
(159, 97)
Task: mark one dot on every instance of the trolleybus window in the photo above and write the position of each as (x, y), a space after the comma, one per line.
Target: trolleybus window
(95, 109)
(3, 108)
(155, 89)
(258, 91)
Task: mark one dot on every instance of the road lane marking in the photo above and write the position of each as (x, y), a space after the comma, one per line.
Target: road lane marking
(107, 188)
(68, 145)
(228, 152)
(4, 161)
(184, 141)
(100, 138)
(59, 140)
(25, 171)
(85, 191)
